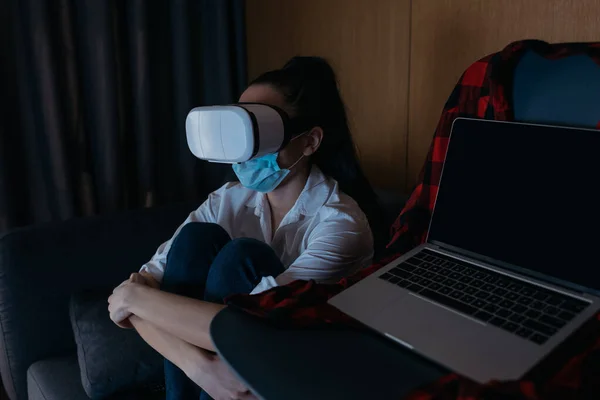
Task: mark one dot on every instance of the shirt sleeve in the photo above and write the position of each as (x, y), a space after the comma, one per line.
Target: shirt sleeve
(338, 247)
(207, 212)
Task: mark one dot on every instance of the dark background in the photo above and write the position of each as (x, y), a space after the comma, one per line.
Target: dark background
(93, 99)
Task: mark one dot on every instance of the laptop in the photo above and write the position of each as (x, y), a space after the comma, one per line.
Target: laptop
(511, 265)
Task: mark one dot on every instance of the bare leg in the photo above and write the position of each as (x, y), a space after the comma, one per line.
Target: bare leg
(203, 367)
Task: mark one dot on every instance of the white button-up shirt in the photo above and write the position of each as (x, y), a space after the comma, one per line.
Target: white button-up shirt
(325, 236)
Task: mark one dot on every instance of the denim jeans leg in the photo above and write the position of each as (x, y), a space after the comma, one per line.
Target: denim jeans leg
(191, 255)
(239, 267)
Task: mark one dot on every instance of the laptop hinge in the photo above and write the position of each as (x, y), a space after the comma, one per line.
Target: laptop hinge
(524, 272)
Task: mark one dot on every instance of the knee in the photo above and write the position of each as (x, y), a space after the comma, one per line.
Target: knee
(239, 267)
(243, 247)
(240, 253)
(197, 232)
(193, 239)
(195, 235)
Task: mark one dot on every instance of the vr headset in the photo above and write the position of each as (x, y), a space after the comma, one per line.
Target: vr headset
(240, 132)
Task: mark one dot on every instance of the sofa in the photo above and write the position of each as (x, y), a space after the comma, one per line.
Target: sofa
(41, 267)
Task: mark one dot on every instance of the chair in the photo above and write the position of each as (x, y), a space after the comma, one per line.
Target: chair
(557, 92)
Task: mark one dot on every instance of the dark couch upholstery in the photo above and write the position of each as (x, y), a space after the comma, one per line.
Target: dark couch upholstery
(40, 267)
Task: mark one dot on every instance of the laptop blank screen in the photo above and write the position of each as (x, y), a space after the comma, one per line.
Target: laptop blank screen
(523, 194)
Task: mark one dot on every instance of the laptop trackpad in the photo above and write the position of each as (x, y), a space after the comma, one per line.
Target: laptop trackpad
(460, 343)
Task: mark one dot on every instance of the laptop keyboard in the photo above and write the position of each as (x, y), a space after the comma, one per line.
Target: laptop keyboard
(525, 310)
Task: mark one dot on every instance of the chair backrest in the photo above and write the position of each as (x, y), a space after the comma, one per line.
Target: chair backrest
(565, 91)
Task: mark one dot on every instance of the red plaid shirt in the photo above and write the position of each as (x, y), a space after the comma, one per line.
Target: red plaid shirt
(482, 92)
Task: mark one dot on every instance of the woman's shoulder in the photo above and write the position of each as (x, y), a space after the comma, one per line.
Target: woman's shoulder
(323, 196)
(342, 217)
(339, 204)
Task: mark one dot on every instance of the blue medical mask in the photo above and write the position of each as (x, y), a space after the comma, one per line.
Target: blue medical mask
(262, 174)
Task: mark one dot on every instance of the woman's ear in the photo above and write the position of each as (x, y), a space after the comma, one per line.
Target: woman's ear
(313, 140)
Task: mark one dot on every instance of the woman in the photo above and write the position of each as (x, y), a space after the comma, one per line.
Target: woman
(295, 214)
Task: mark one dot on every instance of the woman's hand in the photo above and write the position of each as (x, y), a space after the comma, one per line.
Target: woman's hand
(120, 301)
(140, 278)
(216, 379)
(145, 278)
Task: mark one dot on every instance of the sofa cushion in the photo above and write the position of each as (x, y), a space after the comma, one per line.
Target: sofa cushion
(55, 379)
(111, 359)
(59, 379)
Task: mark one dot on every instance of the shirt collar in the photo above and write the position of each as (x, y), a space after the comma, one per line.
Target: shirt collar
(312, 197)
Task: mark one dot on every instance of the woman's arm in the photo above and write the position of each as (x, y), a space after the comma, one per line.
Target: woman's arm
(184, 355)
(186, 318)
(336, 249)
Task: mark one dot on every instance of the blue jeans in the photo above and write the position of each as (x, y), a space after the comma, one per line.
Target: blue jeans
(204, 263)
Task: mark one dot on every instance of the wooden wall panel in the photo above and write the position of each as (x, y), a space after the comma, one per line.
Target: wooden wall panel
(448, 35)
(368, 44)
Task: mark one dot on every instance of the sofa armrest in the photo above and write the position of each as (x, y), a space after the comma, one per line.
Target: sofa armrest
(41, 266)
(55, 379)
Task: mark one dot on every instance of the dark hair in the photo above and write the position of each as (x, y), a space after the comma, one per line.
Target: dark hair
(310, 87)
